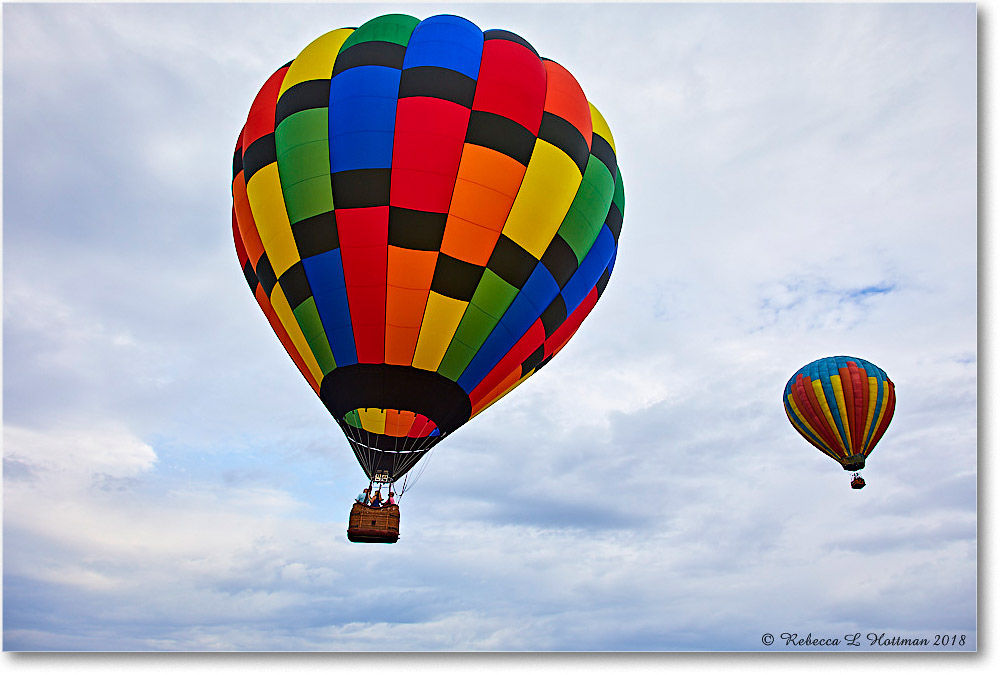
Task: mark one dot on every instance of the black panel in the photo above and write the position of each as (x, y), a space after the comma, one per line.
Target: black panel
(365, 385)
(237, 160)
(417, 230)
(554, 315)
(370, 53)
(501, 134)
(497, 34)
(295, 285)
(360, 188)
(567, 138)
(560, 260)
(251, 277)
(533, 360)
(302, 96)
(602, 283)
(316, 234)
(456, 278)
(437, 82)
(614, 221)
(602, 150)
(260, 153)
(511, 263)
(265, 273)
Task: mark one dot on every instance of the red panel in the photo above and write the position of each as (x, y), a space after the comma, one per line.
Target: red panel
(364, 236)
(427, 149)
(858, 413)
(565, 98)
(847, 385)
(363, 227)
(865, 400)
(260, 121)
(511, 83)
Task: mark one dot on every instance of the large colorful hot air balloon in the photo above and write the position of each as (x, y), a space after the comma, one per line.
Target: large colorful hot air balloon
(842, 405)
(425, 213)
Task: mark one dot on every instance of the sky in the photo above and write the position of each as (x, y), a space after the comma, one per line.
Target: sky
(800, 181)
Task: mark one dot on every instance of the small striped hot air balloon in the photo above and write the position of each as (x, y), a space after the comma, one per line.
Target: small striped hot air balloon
(842, 405)
(425, 213)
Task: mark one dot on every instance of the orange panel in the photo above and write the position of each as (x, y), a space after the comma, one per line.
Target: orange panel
(405, 306)
(397, 422)
(486, 185)
(411, 269)
(400, 344)
(468, 241)
(244, 218)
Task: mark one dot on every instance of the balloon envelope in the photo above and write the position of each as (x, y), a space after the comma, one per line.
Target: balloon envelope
(842, 405)
(425, 213)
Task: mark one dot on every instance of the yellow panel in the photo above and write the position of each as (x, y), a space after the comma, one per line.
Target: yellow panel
(601, 127)
(268, 206)
(872, 402)
(284, 312)
(315, 62)
(548, 189)
(440, 323)
(372, 419)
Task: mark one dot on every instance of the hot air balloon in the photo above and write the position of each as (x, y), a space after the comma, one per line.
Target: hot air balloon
(425, 212)
(842, 405)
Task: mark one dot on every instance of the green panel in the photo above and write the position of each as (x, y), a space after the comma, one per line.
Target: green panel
(308, 198)
(308, 318)
(388, 28)
(456, 359)
(304, 126)
(475, 326)
(303, 149)
(353, 419)
(493, 295)
(320, 347)
(590, 206)
(304, 161)
(312, 328)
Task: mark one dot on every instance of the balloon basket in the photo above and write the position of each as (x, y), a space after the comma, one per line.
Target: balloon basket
(373, 524)
(857, 482)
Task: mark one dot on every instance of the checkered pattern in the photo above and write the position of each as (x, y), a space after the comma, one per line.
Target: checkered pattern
(425, 213)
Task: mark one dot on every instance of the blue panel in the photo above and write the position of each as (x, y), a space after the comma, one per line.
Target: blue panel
(361, 150)
(325, 273)
(363, 117)
(446, 41)
(590, 270)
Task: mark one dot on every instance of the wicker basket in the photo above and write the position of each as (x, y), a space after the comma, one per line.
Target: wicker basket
(374, 525)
